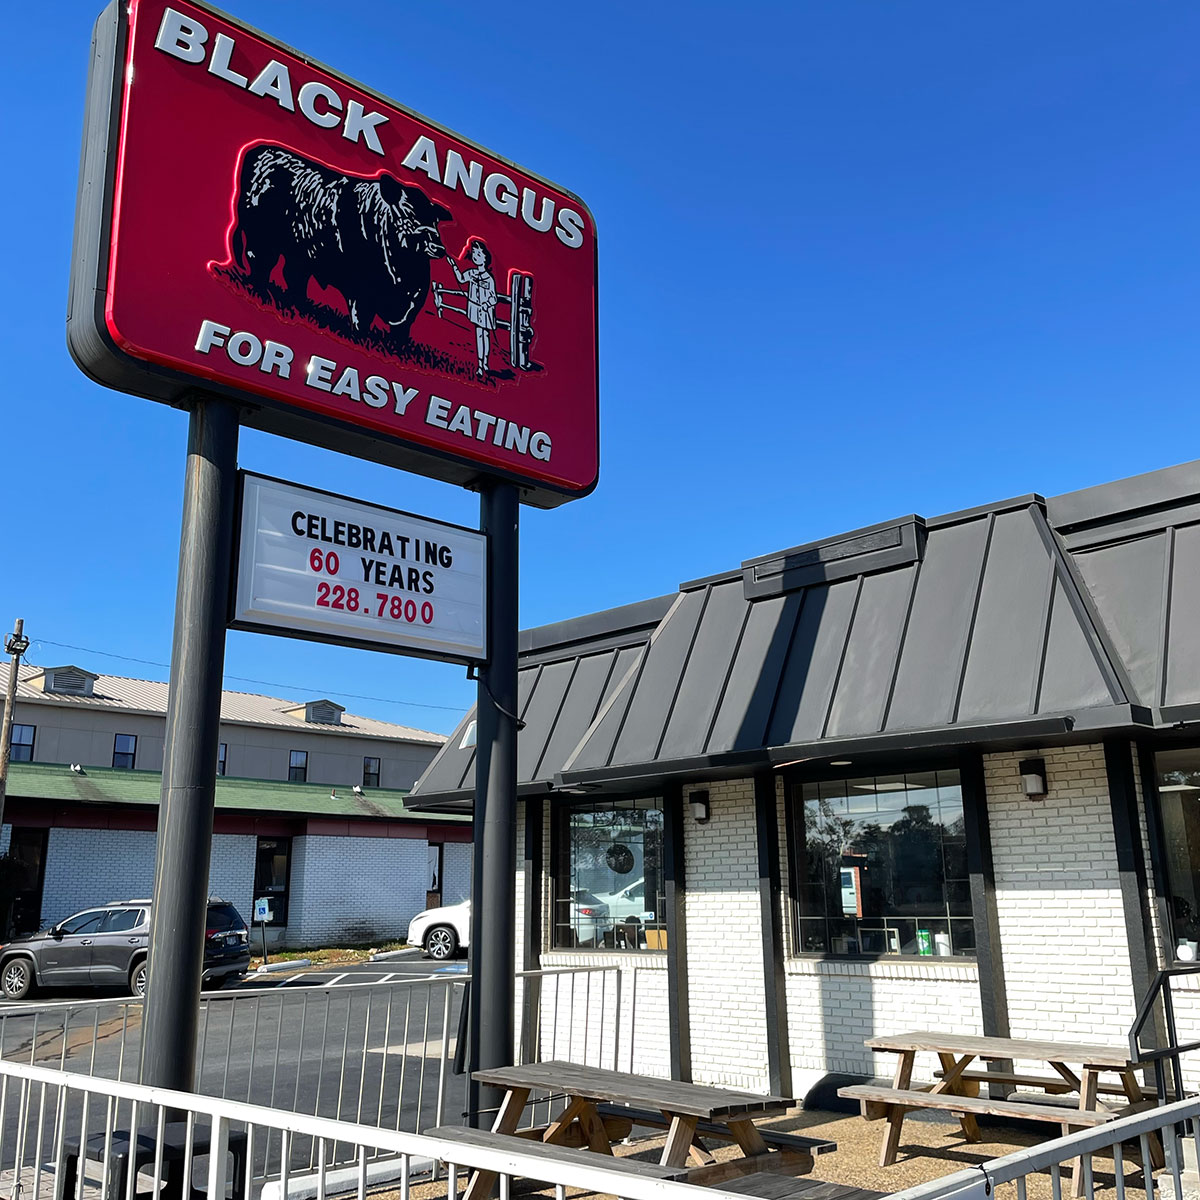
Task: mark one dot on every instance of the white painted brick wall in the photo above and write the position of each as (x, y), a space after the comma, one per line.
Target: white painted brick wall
(347, 889)
(726, 992)
(456, 872)
(834, 1006)
(93, 866)
(584, 1020)
(1062, 925)
(231, 871)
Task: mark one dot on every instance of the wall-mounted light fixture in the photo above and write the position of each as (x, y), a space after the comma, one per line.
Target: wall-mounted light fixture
(698, 804)
(1033, 778)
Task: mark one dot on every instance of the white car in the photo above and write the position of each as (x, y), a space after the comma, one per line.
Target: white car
(442, 932)
(630, 901)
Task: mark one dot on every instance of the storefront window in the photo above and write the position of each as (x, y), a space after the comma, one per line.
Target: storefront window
(1179, 806)
(608, 881)
(882, 866)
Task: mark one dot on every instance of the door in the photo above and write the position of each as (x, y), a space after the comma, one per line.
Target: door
(28, 847)
(122, 931)
(67, 959)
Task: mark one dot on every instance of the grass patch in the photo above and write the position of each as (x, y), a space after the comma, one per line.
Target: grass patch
(325, 956)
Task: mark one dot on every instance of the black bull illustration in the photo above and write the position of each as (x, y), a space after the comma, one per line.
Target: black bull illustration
(371, 239)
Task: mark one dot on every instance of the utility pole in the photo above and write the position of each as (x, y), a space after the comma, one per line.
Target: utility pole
(16, 644)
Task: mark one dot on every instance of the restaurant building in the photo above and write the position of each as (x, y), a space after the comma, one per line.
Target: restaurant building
(937, 773)
(311, 812)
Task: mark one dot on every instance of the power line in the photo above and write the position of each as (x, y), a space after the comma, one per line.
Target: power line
(288, 687)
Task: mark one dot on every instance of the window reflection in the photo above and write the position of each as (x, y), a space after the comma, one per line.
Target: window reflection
(1179, 806)
(882, 866)
(608, 883)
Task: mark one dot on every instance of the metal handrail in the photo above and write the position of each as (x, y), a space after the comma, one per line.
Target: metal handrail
(588, 1173)
(979, 1182)
(1172, 1052)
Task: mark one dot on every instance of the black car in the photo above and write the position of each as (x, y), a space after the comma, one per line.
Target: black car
(106, 947)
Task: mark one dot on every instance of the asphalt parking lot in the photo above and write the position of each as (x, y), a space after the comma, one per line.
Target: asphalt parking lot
(411, 964)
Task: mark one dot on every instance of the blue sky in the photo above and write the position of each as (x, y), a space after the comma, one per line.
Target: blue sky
(857, 259)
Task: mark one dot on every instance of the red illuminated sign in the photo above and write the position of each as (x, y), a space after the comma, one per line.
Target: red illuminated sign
(254, 224)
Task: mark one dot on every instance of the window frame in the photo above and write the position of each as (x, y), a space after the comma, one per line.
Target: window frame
(559, 863)
(1158, 851)
(99, 913)
(292, 767)
(793, 806)
(131, 765)
(138, 918)
(13, 756)
(368, 758)
(222, 757)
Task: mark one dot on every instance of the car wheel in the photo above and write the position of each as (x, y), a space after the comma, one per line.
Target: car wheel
(137, 979)
(17, 978)
(441, 942)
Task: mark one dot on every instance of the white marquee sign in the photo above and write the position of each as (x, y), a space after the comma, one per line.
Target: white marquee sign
(314, 565)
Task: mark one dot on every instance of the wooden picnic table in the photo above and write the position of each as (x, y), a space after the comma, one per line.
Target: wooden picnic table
(683, 1106)
(1077, 1067)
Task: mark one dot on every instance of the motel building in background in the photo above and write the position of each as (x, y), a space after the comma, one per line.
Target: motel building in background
(311, 810)
(937, 773)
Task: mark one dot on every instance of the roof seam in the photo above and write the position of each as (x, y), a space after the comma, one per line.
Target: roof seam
(1039, 676)
(737, 647)
(1168, 594)
(970, 633)
(633, 677)
(781, 675)
(1112, 668)
(908, 611)
(687, 658)
(537, 766)
(837, 676)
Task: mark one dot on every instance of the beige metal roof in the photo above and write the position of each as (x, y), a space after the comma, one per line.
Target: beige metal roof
(237, 708)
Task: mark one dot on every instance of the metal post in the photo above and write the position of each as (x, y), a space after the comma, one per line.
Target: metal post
(493, 904)
(185, 819)
(16, 645)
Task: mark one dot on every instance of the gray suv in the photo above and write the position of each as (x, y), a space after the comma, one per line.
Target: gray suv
(106, 947)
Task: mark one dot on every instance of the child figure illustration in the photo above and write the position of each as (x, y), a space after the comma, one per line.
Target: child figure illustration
(481, 299)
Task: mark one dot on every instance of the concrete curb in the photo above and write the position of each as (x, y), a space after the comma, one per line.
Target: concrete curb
(290, 965)
(387, 955)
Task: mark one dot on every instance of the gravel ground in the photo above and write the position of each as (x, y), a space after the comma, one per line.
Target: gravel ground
(930, 1147)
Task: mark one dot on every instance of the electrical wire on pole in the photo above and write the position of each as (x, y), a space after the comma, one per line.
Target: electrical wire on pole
(15, 644)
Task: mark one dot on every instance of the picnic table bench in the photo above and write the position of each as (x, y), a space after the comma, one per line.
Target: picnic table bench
(957, 1088)
(627, 1099)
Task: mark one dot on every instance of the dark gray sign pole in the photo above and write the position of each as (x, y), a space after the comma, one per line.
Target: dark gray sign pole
(185, 818)
(493, 901)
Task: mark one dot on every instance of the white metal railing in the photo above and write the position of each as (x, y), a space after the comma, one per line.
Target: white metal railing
(47, 1117)
(1098, 1153)
(379, 1054)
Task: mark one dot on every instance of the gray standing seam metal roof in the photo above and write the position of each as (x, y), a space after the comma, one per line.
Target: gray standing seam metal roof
(1028, 618)
(567, 673)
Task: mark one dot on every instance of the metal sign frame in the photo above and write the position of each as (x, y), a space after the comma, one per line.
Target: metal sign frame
(97, 354)
(342, 640)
